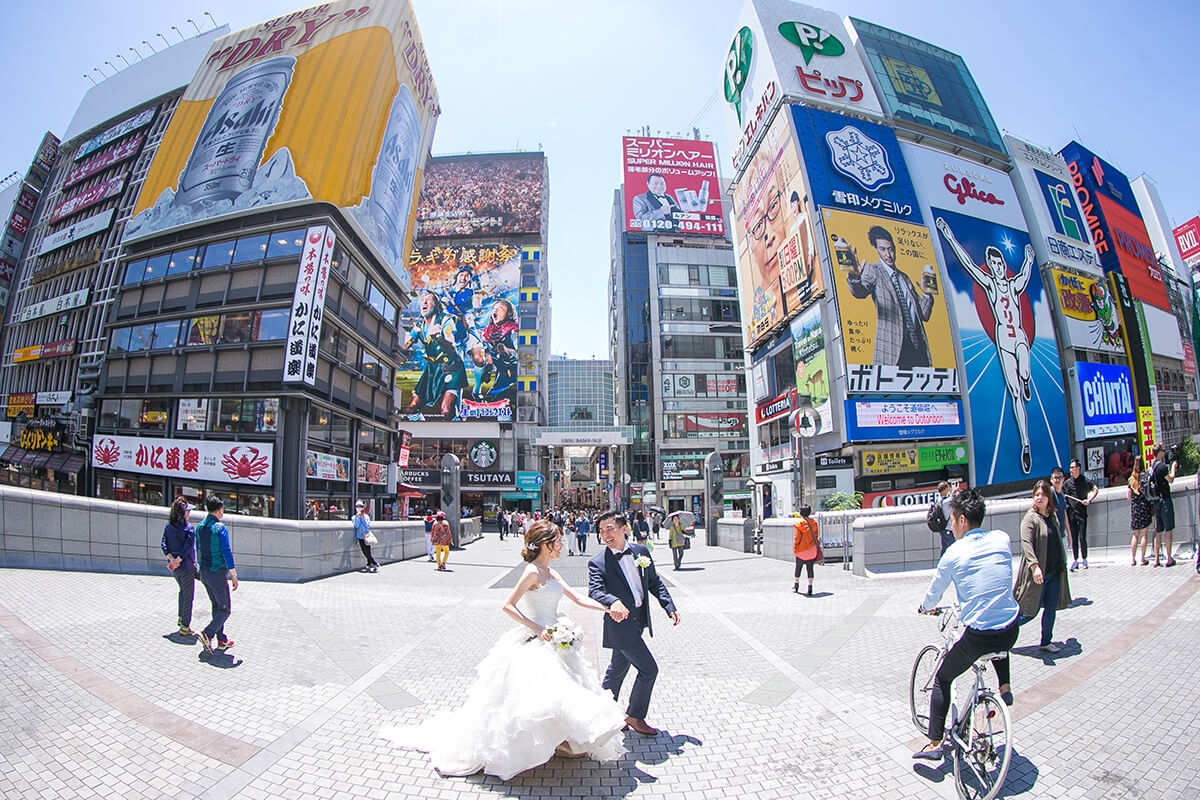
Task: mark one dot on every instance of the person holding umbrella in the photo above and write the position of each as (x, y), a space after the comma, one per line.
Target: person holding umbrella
(677, 536)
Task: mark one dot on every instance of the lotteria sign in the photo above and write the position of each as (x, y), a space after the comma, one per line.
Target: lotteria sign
(1104, 403)
(774, 409)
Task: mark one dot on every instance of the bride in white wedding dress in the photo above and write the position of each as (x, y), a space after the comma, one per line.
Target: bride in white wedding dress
(532, 699)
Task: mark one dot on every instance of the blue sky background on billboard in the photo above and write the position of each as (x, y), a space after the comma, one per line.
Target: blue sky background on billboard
(575, 78)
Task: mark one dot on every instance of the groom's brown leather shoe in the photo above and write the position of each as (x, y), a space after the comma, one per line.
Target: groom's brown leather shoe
(639, 726)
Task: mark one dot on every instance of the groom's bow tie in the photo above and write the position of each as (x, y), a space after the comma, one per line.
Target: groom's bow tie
(626, 552)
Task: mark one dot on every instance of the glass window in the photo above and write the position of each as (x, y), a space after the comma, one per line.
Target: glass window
(529, 280)
(329, 340)
(156, 267)
(154, 415)
(110, 413)
(218, 254)
(130, 415)
(203, 330)
(235, 328)
(249, 249)
(375, 297)
(358, 280)
(193, 415)
(272, 325)
(118, 340)
(286, 243)
(373, 441)
(166, 334)
(229, 416)
(528, 323)
(135, 271)
(141, 337)
(347, 350)
(262, 416)
(182, 261)
(318, 423)
(370, 366)
(339, 261)
(339, 429)
(389, 312)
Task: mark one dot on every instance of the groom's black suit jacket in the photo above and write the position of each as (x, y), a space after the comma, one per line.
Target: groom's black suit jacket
(607, 585)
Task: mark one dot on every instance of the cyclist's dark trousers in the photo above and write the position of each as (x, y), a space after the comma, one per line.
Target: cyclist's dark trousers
(1079, 536)
(962, 655)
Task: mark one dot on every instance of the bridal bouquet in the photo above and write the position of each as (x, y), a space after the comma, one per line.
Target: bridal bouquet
(564, 635)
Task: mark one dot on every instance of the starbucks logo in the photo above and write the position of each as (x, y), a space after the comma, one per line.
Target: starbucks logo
(483, 454)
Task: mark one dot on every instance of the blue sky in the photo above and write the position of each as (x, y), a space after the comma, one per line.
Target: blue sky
(573, 78)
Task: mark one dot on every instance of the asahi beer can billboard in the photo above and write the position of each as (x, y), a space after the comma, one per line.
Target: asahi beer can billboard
(333, 104)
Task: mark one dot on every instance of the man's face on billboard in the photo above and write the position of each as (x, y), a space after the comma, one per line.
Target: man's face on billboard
(767, 232)
(997, 266)
(657, 184)
(886, 251)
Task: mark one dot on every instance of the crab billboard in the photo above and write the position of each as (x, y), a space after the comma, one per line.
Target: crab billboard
(265, 122)
(248, 463)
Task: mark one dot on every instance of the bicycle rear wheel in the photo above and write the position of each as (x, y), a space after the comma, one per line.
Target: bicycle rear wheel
(981, 767)
(920, 686)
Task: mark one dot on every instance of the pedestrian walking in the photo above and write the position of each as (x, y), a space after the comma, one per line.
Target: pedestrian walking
(1079, 493)
(677, 539)
(1159, 493)
(806, 547)
(502, 523)
(1141, 512)
(943, 502)
(429, 533)
(179, 546)
(362, 532)
(1060, 505)
(442, 539)
(582, 528)
(1042, 580)
(641, 529)
(217, 573)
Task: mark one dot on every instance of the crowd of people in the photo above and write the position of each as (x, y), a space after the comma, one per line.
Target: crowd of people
(469, 198)
(578, 524)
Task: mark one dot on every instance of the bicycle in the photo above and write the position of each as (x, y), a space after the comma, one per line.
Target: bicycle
(981, 741)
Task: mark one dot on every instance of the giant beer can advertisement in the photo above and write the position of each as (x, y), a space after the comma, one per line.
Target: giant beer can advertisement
(333, 104)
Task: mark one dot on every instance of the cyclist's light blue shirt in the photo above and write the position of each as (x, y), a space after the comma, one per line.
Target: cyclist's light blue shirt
(980, 566)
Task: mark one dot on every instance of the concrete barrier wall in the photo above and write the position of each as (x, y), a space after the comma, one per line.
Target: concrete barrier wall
(901, 541)
(736, 534)
(45, 530)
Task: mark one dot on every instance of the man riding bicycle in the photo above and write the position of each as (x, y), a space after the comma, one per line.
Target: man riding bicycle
(979, 563)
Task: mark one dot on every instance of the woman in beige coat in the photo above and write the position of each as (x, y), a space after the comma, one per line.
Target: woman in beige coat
(1042, 580)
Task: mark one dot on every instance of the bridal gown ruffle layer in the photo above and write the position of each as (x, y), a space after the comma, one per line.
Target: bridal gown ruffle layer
(527, 699)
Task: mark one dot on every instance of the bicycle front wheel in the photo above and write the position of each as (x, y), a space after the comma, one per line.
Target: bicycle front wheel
(981, 765)
(920, 686)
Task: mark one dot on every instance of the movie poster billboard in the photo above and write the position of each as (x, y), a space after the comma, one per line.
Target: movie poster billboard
(1088, 313)
(812, 368)
(334, 104)
(775, 229)
(482, 195)
(671, 186)
(895, 326)
(1010, 356)
(460, 334)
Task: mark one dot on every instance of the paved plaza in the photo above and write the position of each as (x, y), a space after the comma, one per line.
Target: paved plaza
(762, 693)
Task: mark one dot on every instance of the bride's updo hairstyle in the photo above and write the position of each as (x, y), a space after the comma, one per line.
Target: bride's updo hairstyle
(540, 534)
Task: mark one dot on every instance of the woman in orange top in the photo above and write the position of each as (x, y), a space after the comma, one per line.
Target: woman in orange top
(806, 547)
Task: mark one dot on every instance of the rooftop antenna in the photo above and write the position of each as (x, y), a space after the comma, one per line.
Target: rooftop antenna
(194, 25)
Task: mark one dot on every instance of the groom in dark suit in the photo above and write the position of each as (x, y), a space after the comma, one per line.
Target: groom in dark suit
(616, 581)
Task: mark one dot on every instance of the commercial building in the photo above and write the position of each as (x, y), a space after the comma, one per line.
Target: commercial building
(478, 323)
(237, 253)
(675, 327)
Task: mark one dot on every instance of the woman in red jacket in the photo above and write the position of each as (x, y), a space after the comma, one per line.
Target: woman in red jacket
(806, 547)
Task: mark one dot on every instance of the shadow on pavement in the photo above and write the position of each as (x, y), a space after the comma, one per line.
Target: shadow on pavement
(1068, 649)
(175, 637)
(1079, 601)
(1022, 776)
(220, 660)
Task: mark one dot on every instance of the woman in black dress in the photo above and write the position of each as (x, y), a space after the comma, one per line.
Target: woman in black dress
(1141, 511)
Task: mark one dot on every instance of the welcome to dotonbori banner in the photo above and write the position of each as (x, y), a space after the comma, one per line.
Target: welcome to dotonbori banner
(333, 104)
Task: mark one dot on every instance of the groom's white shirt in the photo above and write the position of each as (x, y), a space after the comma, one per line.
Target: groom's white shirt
(629, 569)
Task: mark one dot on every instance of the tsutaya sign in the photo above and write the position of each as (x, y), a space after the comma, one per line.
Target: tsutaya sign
(782, 50)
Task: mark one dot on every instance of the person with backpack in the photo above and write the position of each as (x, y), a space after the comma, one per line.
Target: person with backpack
(1159, 494)
(937, 519)
(806, 547)
(217, 573)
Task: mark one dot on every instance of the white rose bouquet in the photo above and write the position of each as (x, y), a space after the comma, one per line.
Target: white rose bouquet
(565, 635)
(642, 561)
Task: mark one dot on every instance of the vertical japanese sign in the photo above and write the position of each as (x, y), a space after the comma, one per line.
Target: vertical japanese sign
(308, 306)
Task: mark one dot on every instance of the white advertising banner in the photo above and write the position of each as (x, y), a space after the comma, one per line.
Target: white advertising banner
(1059, 231)
(1164, 332)
(52, 398)
(308, 306)
(116, 132)
(326, 467)
(84, 227)
(784, 50)
(53, 305)
(945, 181)
(230, 462)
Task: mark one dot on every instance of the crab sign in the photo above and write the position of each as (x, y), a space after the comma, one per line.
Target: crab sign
(107, 452)
(245, 464)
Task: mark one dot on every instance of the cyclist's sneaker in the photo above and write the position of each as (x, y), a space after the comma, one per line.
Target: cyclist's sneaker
(1007, 697)
(224, 644)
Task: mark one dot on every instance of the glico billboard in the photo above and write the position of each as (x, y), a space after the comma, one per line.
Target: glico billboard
(332, 104)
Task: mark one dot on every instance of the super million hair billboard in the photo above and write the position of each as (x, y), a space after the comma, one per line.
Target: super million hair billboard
(332, 104)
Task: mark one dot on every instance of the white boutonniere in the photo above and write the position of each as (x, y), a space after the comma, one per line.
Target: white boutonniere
(642, 561)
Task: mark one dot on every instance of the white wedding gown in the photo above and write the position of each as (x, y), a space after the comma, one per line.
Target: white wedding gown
(527, 699)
